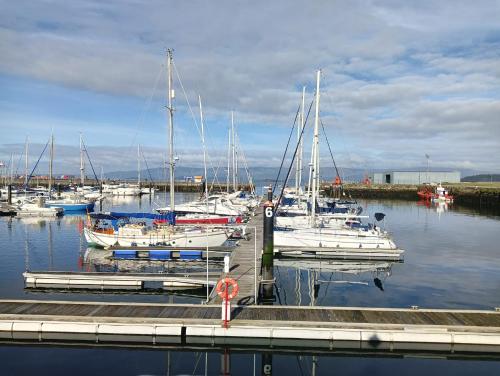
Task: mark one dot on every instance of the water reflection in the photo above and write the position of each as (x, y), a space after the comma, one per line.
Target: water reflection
(439, 207)
(214, 360)
(310, 279)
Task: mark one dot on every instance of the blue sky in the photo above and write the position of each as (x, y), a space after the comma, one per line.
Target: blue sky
(400, 79)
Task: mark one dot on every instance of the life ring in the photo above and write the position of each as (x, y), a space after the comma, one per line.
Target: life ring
(221, 288)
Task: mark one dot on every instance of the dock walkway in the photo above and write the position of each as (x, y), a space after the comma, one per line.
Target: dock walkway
(274, 326)
(242, 263)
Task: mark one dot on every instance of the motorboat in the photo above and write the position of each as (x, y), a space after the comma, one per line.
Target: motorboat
(36, 207)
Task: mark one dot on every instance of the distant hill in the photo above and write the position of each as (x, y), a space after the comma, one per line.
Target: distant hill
(481, 178)
(260, 175)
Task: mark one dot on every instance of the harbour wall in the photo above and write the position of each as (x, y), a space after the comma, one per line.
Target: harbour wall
(474, 195)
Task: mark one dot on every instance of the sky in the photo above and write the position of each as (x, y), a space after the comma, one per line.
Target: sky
(400, 79)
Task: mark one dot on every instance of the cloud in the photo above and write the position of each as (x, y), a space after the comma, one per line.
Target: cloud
(398, 77)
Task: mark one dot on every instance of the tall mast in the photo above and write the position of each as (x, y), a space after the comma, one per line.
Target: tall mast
(204, 151)
(171, 129)
(11, 168)
(315, 158)
(233, 151)
(51, 162)
(298, 168)
(138, 165)
(26, 163)
(82, 163)
(228, 160)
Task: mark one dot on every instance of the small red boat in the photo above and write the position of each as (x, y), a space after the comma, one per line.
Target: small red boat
(441, 194)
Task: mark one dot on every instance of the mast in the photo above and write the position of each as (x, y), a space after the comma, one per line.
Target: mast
(206, 180)
(228, 160)
(51, 162)
(171, 129)
(11, 168)
(298, 169)
(139, 165)
(82, 163)
(204, 151)
(233, 151)
(315, 157)
(26, 164)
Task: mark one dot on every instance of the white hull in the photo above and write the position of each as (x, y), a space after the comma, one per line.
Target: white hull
(33, 211)
(332, 238)
(193, 238)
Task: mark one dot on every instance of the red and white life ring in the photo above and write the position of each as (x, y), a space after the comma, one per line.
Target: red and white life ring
(223, 288)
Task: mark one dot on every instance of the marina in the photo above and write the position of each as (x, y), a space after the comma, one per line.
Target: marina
(198, 188)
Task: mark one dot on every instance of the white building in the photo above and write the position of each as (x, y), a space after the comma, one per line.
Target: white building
(415, 177)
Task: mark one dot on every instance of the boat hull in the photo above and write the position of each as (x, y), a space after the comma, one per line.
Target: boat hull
(84, 207)
(183, 239)
(327, 238)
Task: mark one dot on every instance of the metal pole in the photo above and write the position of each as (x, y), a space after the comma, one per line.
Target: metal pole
(255, 265)
(205, 182)
(50, 164)
(82, 163)
(315, 158)
(139, 166)
(228, 160)
(171, 130)
(233, 151)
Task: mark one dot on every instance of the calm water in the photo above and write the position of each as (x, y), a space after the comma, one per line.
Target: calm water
(452, 260)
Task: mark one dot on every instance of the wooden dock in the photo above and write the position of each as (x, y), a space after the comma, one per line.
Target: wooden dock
(243, 261)
(329, 328)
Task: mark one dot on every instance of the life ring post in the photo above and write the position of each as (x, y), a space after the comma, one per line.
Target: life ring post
(227, 288)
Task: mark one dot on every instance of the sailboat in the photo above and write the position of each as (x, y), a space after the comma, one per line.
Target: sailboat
(313, 235)
(167, 233)
(74, 202)
(218, 208)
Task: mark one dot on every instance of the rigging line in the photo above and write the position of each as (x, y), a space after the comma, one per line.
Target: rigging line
(36, 164)
(331, 154)
(90, 161)
(147, 167)
(286, 149)
(294, 155)
(191, 110)
(18, 163)
(140, 123)
(245, 164)
(329, 148)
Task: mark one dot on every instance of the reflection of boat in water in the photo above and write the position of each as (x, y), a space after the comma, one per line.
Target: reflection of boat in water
(440, 206)
(334, 266)
(101, 260)
(324, 271)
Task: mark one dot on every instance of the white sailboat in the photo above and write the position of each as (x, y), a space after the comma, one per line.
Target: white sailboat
(134, 234)
(313, 234)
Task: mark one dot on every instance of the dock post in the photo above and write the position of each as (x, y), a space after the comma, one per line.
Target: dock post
(59, 190)
(9, 194)
(268, 247)
(267, 297)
